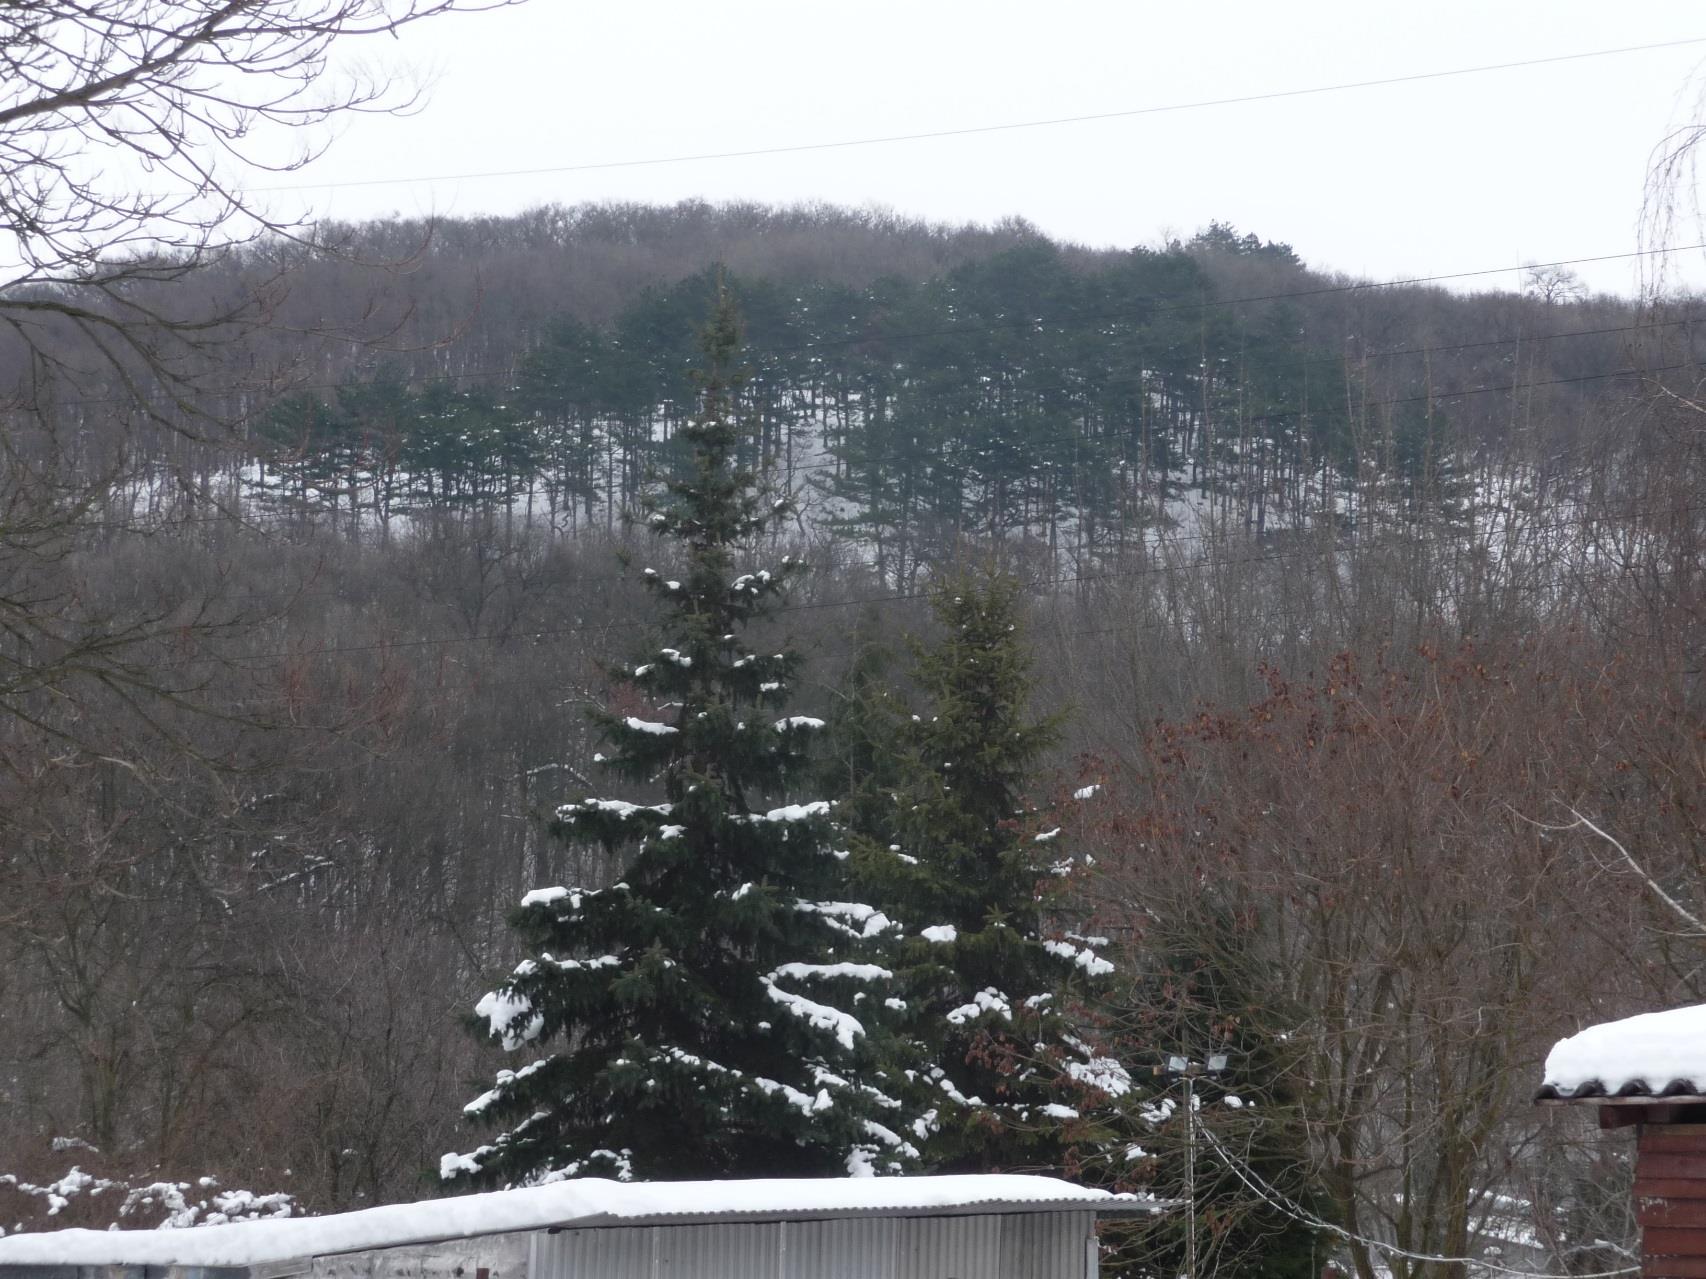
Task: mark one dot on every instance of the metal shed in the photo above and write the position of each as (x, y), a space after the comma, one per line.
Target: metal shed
(963, 1227)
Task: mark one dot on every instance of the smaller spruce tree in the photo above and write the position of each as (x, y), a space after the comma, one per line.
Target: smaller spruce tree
(990, 974)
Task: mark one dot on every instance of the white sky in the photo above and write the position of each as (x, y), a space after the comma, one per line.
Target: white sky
(1486, 170)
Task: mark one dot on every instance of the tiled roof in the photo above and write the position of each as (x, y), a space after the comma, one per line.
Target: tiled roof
(1658, 1055)
(1628, 1089)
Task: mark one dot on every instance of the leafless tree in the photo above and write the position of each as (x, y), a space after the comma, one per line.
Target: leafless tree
(1351, 841)
(129, 131)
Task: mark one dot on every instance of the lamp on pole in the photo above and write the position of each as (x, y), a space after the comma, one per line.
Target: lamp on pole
(1184, 1068)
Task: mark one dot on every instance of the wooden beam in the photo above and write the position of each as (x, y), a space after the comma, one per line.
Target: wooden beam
(1668, 1166)
(1668, 1187)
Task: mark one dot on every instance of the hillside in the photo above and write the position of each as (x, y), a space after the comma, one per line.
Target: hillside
(328, 668)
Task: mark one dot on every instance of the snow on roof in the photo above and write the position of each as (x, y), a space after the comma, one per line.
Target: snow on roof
(576, 1203)
(1652, 1055)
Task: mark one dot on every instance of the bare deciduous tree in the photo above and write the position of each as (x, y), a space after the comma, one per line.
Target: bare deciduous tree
(128, 133)
(1349, 848)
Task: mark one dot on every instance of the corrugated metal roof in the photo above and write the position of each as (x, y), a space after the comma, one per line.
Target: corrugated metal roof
(590, 1202)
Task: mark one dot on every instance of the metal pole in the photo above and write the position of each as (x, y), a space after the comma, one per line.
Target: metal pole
(1190, 1182)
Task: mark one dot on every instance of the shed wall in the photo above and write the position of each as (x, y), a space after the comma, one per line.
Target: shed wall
(1670, 1200)
(498, 1256)
(1042, 1245)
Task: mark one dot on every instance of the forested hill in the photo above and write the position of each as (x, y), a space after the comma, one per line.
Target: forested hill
(918, 383)
(1325, 586)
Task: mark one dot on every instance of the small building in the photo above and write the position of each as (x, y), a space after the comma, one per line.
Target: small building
(961, 1227)
(1649, 1072)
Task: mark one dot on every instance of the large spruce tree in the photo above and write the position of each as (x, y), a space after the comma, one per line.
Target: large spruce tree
(990, 971)
(709, 1013)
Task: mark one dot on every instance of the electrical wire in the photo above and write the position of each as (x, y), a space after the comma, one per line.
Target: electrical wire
(1277, 1199)
(972, 130)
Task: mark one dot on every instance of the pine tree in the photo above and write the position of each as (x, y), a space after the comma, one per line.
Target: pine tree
(709, 1011)
(990, 977)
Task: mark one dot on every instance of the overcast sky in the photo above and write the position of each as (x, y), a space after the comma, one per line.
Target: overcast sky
(1473, 171)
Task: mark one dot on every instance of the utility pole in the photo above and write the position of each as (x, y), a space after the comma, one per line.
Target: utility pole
(1189, 1071)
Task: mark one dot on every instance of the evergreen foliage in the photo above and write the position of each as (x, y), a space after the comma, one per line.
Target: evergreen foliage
(1218, 1003)
(990, 978)
(712, 1012)
(1021, 394)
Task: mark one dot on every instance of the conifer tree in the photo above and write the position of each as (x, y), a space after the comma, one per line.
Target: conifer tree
(990, 976)
(709, 1014)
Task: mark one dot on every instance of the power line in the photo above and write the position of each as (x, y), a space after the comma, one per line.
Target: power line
(1254, 1182)
(972, 130)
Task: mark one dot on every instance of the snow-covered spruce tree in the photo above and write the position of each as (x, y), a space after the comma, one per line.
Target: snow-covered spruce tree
(710, 1012)
(990, 976)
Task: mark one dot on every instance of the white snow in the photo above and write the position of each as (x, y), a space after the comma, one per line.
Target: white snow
(843, 915)
(648, 726)
(890, 1138)
(221, 1207)
(1054, 1110)
(794, 812)
(844, 1026)
(173, 1198)
(575, 965)
(803, 1102)
(1159, 1113)
(940, 933)
(1085, 792)
(811, 972)
(798, 721)
(504, 1079)
(586, 1202)
(988, 1000)
(1654, 1048)
(617, 807)
(502, 1009)
(1102, 1073)
(1086, 959)
(751, 581)
(544, 896)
